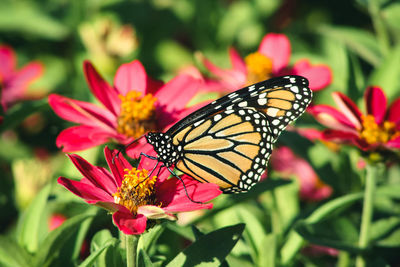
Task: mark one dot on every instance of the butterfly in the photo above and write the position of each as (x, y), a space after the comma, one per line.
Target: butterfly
(229, 141)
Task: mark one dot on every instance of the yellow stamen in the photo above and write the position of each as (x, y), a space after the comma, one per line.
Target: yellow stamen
(259, 67)
(137, 189)
(137, 115)
(373, 133)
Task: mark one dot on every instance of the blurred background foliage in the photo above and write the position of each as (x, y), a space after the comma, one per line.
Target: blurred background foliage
(359, 40)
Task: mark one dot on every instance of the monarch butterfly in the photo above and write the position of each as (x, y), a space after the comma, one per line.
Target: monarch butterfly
(229, 141)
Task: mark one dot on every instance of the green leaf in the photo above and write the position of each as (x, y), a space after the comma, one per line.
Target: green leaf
(330, 208)
(384, 227)
(52, 244)
(21, 111)
(361, 42)
(392, 240)
(90, 261)
(210, 249)
(391, 191)
(268, 255)
(391, 15)
(291, 247)
(30, 227)
(111, 255)
(144, 259)
(387, 75)
(12, 255)
(26, 18)
(148, 239)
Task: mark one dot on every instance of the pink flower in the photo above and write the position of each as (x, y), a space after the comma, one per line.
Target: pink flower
(132, 196)
(317, 251)
(135, 105)
(271, 60)
(379, 128)
(13, 82)
(284, 161)
(56, 220)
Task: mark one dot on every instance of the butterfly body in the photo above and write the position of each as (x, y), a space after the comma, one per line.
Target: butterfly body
(229, 141)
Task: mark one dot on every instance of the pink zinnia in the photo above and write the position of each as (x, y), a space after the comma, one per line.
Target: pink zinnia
(379, 128)
(284, 161)
(135, 105)
(271, 60)
(133, 196)
(13, 82)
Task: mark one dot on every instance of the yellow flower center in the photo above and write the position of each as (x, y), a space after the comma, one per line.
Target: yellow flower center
(373, 133)
(259, 67)
(137, 189)
(137, 115)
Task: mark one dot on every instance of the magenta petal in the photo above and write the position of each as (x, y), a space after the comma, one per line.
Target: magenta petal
(394, 143)
(79, 138)
(177, 92)
(319, 76)
(276, 47)
(348, 108)
(101, 89)
(236, 61)
(331, 118)
(8, 62)
(117, 165)
(98, 176)
(86, 190)
(172, 194)
(376, 102)
(131, 77)
(393, 113)
(128, 224)
(82, 112)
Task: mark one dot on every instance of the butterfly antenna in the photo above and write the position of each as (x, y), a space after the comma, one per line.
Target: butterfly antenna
(125, 147)
(184, 186)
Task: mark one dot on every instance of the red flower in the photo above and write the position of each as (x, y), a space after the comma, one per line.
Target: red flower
(271, 59)
(379, 128)
(56, 220)
(132, 196)
(284, 161)
(135, 105)
(13, 82)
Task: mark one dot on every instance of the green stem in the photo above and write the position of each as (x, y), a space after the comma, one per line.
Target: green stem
(379, 26)
(366, 219)
(131, 249)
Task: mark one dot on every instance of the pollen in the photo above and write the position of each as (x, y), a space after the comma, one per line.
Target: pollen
(137, 115)
(137, 189)
(259, 67)
(373, 133)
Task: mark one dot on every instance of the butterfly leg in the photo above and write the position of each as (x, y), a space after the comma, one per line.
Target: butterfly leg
(184, 186)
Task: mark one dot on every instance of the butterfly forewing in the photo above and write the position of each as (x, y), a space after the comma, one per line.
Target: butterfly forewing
(229, 141)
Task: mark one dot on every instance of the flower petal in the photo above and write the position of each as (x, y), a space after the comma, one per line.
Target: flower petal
(176, 94)
(128, 224)
(172, 194)
(376, 102)
(86, 190)
(331, 118)
(236, 61)
(98, 176)
(348, 108)
(101, 89)
(277, 47)
(155, 213)
(131, 77)
(319, 76)
(79, 138)
(117, 164)
(345, 138)
(394, 143)
(83, 112)
(8, 62)
(393, 113)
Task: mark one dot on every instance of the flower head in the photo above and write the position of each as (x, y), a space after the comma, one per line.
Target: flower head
(379, 128)
(284, 161)
(270, 60)
(132, 195)
(132, 107)
(15, 82)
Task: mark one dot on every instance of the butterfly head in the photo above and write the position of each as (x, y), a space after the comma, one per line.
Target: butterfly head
(163, 146)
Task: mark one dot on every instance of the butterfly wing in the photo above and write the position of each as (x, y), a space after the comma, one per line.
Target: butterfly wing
(230, 141)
